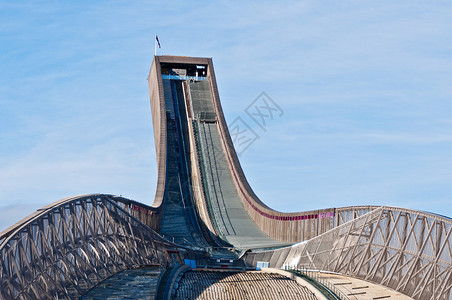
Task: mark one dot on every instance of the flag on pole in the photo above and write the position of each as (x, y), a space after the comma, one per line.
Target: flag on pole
(157, 39)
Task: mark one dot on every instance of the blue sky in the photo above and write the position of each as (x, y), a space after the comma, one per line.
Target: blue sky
(365, 87)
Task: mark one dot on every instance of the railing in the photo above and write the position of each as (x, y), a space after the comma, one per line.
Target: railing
(215, 238)
(183, 77)
(69, 246)
(204, 178)
(149, 215)
(323, 285)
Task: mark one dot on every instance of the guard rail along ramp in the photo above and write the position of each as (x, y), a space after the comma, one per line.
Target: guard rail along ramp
(66, 248)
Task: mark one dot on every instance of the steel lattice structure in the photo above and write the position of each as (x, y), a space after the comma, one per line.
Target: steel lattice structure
(68, 247)
(406, 250)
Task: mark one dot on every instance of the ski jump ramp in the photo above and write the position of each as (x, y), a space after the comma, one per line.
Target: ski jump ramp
(205, 210)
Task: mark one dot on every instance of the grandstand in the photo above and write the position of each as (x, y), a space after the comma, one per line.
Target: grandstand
(200, 284)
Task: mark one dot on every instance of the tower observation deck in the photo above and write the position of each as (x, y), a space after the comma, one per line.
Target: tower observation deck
(206, 217)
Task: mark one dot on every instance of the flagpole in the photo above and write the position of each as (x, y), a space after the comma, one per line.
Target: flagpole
(155, 45)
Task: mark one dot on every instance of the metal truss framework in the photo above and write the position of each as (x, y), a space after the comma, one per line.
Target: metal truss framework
(406, 250)
(68, 247)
